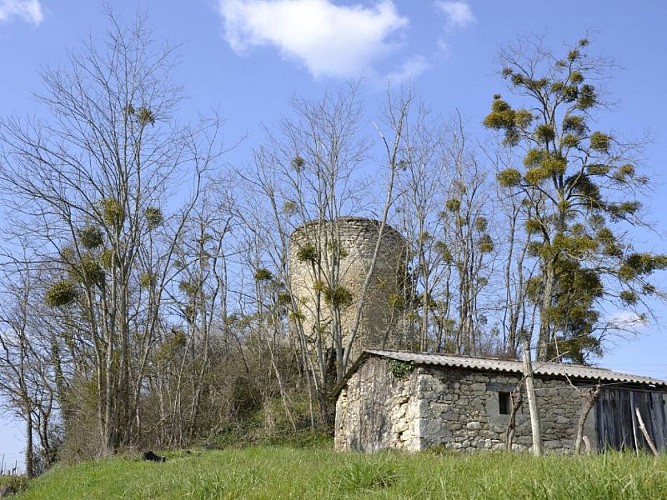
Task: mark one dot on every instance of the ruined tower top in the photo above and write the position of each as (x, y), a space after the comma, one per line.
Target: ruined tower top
(328, 265)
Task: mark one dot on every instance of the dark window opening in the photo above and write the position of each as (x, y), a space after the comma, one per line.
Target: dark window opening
(504, 403)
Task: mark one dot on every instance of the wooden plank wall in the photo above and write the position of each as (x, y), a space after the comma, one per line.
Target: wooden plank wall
(616, 421)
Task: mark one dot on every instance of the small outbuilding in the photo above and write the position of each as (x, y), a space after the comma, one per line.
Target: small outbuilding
(413, 401)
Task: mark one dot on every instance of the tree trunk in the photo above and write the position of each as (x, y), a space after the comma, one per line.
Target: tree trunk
(29, 455)
(544, 338)
(590, 399)
(533, 407)
(517, 402)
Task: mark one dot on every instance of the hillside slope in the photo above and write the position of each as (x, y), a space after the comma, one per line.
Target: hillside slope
(283, 472)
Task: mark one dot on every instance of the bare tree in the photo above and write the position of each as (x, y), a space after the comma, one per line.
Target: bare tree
(470, 243)
(90, 184)
(194, 313)
(423, 180)
(306, 173)
(312, 174)
(26, 373)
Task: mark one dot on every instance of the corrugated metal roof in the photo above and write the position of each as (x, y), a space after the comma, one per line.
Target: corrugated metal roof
(509, 366)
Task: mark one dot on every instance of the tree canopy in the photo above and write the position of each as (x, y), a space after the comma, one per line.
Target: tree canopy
(579, 188)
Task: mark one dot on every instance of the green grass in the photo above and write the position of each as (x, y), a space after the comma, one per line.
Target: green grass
(287, 472)
(17, 483)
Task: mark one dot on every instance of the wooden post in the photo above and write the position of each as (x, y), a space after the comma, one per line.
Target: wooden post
(532, 400)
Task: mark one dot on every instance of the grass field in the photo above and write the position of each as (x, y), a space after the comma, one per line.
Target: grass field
(265, 472)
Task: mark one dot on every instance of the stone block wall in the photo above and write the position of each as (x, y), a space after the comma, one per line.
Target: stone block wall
(454, 408)
(460, 410)
(377, 410)
(357, 238)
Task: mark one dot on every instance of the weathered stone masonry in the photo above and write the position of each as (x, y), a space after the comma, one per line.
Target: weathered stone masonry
(461, 410)
(377, 410)
(455, 408)
(357, 238)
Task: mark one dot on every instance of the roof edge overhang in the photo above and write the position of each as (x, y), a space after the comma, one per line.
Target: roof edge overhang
(577, 373)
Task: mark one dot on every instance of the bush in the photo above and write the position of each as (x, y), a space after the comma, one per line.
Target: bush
(12, 485)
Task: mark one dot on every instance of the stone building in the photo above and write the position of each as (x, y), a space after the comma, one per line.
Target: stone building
(415, 401)
(327, 257)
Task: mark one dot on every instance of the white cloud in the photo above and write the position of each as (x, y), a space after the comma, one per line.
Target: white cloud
(330, 40)
(409, 71)
(458, 14)
(28, 10)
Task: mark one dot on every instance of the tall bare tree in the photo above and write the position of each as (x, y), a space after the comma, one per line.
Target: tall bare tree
(27, 377)
(313, 172)
(423, 180)
(89, 184)
(306, 173)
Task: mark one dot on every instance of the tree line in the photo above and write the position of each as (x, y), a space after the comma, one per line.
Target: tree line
(146, 288)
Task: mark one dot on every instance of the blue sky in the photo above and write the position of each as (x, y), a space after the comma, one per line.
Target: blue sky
(247, 58)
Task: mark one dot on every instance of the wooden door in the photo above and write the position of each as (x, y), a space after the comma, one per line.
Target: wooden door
(616, 420)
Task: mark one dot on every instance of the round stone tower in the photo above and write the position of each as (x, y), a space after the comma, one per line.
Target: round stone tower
(328, 265)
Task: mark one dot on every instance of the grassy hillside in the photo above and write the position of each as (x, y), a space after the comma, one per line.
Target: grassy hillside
(283, 472)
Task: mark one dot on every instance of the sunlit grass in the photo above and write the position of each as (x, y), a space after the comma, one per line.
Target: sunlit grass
(284, 472)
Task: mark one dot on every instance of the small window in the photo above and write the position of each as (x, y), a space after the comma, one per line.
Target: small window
(504, 403)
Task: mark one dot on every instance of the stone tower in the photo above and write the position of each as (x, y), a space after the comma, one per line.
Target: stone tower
(333, 258)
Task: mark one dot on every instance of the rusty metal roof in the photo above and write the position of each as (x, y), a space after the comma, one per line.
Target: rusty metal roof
(558, 370)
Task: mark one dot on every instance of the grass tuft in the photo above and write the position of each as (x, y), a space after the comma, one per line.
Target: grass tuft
(365, 476)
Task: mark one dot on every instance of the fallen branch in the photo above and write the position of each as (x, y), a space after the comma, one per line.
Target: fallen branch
(642, 427)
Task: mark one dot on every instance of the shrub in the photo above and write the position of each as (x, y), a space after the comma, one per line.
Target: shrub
(400, 369)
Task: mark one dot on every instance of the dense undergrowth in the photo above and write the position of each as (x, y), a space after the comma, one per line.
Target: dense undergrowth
(315, 471)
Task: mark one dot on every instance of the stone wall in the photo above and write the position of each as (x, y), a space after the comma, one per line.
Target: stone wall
(459, 409)
(454, 408)
(356, 238)
(377, 410)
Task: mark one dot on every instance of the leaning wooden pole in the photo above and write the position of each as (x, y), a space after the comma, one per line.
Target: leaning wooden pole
(642, 428)
(532, 401)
